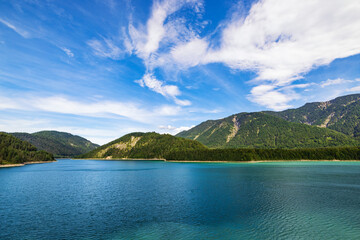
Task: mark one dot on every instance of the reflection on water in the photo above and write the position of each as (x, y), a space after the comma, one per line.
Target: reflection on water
(157, 200)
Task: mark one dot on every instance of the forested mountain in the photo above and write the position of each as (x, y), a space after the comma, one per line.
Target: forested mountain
(143, 145)
(341, 114)
(60, 144)
(262, 130)
(14, 150)
(165, 146)
(270, 154)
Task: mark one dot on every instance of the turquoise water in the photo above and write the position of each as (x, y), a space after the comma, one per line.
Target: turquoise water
(72, 199)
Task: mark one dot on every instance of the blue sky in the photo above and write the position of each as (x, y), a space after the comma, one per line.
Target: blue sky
(104, 68)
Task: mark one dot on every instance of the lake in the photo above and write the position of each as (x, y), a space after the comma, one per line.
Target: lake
(88, 199)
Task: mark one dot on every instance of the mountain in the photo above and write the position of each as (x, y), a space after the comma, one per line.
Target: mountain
(143, 145)
(341, 114)
(14, 150)
(60, 144)
(262, 130)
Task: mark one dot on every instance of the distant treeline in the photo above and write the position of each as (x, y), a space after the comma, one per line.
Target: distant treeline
(338, 153)
(13, 150)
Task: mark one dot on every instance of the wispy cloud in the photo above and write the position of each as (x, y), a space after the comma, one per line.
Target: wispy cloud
(18, 30)
(105, 48)
(354, 89)
(169, 91)
(337, 81)
(22, 125)
(275, 97)
(279, 41)
(271, 97)
(68, 52)
(145, 41)
(172, 129)
(108, 109)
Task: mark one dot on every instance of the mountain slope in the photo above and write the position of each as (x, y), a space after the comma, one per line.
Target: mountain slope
(341, 114)
(261, 130)
(143, 145)
(14, 150)
(60, 144)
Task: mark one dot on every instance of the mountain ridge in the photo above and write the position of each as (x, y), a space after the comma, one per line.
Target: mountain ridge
(341, 114)
(61, 144)
(268, 129)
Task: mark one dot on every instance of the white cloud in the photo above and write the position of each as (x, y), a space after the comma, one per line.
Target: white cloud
(145, 41)
(169, 91)
(68, 52)
(281, 41)
(191, 53)
(173, 130)
(105, 48)
(354, 89)
(337, 81)
(272, 97)
(18, 30)
(182, 102)
(151, 82)
(167, 127)
(155, 26)
(108, 109)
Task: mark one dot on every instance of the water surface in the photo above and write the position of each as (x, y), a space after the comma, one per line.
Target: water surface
(78, 199)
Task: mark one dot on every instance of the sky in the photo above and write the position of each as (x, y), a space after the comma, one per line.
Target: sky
(104, 68)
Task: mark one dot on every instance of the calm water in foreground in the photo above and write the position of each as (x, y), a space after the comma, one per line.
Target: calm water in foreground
(73, 199)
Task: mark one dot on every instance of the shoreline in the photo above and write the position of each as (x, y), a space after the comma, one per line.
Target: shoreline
(215, 161)
(23, 164)
(260, 161)
(122, 159)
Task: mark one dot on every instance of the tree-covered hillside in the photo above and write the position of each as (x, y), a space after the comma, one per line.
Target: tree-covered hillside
(164, 146)
(60, 144)
(14, 150)
(341, 114)
(143, 145)
(261, 130)
(241, 154)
